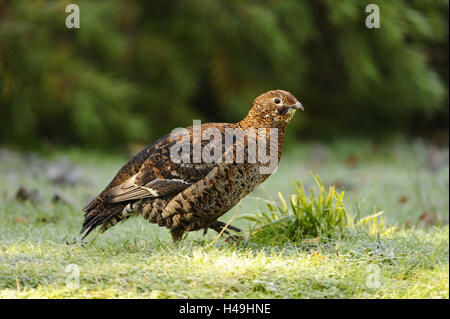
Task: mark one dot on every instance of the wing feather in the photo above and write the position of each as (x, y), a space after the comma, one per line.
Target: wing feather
(131, 189)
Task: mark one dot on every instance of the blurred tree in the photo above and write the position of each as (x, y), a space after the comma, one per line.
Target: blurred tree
(137, 69)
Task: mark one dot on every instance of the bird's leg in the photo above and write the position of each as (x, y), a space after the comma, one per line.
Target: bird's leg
(177, 235)
(218, 226)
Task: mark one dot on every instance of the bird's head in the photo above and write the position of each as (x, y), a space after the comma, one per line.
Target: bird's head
(275, 108)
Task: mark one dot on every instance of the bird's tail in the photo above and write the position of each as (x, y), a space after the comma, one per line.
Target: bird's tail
(107, 215)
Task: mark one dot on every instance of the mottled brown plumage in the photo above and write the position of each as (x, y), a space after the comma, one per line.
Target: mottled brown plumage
(192, 196)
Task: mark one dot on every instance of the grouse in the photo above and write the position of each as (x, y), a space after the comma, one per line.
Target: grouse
(185, 181)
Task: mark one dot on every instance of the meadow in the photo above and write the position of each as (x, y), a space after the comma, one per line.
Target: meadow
(401, 251)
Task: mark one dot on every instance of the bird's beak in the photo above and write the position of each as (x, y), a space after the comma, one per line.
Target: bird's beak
(297, 106)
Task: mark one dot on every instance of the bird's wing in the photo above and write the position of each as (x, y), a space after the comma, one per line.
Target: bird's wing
(138, 187)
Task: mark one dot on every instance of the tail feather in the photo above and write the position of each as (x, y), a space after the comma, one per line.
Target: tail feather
(99, 214)
(92, 204)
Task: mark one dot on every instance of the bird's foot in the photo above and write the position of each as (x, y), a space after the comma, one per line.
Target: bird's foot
(234, 238)
(219, 227)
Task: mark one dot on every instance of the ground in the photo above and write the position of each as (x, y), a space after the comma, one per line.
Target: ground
(40, 256)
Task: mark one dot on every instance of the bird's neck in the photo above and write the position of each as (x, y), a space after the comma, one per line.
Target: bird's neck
(257, 123)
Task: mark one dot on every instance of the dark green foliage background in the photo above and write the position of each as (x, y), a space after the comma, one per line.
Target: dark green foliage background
(137, 69)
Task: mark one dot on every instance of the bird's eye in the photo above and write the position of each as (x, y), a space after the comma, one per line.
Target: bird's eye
(277, 101)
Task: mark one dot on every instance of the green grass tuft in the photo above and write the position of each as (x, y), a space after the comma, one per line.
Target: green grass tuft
(321, 214)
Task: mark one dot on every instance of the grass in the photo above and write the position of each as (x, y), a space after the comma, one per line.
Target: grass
(407, 181)
(319, 215)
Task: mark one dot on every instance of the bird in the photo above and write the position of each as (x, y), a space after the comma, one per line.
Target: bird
(187, 194)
